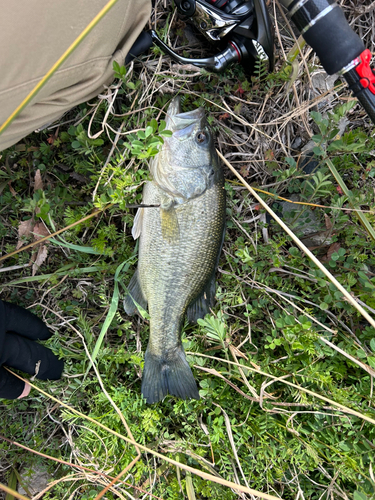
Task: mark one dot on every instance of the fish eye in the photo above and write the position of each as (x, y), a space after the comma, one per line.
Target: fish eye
(202, 137)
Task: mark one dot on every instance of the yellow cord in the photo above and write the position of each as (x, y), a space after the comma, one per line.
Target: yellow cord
(58, 63)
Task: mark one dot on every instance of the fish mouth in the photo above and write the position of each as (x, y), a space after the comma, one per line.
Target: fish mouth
(176, 121)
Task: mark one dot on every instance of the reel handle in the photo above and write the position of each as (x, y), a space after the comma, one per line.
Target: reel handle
(215, 63)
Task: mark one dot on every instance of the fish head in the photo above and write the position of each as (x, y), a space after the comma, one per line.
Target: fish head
(187, 164)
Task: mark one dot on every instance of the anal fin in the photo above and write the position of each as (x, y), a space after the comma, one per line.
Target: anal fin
(202, 304)
(206, 300)
(135, 296)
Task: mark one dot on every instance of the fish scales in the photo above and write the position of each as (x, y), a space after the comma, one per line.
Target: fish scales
(173, 280)
(178, 253)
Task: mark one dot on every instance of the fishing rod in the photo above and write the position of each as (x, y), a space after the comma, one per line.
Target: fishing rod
(323, 25)
(242, 31)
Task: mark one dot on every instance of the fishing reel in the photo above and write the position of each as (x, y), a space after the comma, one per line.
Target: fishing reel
(241, 29)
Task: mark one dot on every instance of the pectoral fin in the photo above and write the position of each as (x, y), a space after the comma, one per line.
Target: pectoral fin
(137, 224)
(135, 296)
(169, 225)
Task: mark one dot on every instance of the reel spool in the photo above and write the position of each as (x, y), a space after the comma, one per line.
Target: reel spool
(242, 27)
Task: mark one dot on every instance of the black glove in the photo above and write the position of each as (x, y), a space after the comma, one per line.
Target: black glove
(18, 330)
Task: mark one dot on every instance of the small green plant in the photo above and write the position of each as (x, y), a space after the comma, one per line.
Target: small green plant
(215, 329)
(81, 141)
(146, 143)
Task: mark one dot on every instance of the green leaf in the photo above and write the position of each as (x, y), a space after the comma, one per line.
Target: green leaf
(156, 140)
(345, 447)
(317, 117)
(189, 487)
(358, 495)
(317, 138)
(318, 151)
(149, 130)
(362, 275)
(291, 161)
(137, 144)
(323, 306)
(289, 320)
(78, 248)
(166, 133)
(60, 272)
(361, 354)
(154, 124)
(12, 484)
(111, 313)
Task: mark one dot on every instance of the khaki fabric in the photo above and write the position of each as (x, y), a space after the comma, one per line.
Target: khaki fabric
(35, 33)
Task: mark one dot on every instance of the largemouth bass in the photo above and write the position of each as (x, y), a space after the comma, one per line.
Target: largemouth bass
(179, 248)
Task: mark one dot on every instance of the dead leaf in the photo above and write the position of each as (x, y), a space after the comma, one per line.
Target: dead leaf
(240, 90)
(244, 171)
(11, 189)
(40, 231)
(332, 249)
(237, 352)
(269, 155)
(52, 137)
(328, 222)
(24, 229)
(40, 258)
(38, 184)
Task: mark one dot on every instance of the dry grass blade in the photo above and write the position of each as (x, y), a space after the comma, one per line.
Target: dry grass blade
(54, 459)
(115, 407)
(362, 218)
(339, 406)
(212, 371)
(15, 494)
(311, 256)
(197, 472)
(359, 363)
(232, 443)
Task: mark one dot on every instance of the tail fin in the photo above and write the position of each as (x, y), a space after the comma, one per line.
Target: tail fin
(168, 374)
